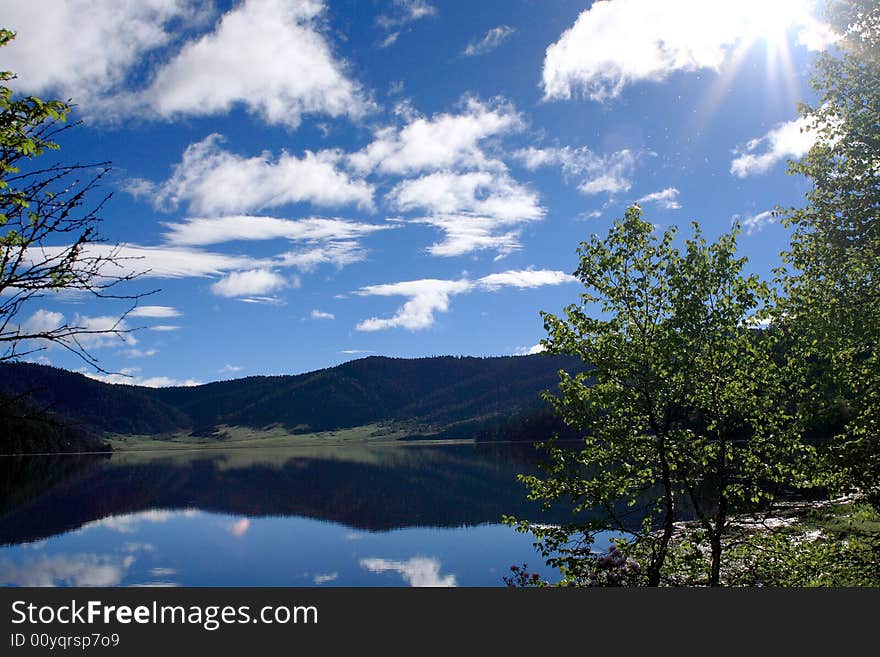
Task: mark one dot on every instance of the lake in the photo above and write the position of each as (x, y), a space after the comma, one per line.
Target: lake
(354, 515)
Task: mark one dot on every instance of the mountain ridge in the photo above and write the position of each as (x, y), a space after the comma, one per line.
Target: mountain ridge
(442, 395)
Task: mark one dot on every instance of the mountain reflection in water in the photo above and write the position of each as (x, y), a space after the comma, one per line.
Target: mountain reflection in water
(352, 515)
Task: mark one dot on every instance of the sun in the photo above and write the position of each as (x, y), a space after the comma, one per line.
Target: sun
(771, 21)
(772, 26)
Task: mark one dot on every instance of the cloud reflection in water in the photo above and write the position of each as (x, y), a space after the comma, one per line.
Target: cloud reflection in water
(66, 570)
(418, 571)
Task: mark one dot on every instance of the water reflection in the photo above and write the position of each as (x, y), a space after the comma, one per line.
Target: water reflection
(353, 516)
(418, 571)
(365, 488)
(65, 570)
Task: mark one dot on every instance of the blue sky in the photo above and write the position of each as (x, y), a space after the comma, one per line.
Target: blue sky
(309, 181)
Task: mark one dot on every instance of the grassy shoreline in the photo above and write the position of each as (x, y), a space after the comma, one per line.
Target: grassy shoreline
(247, 438)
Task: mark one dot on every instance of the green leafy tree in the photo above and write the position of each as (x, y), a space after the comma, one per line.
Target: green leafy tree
(832, 279)
(679, 407)
(48, 241)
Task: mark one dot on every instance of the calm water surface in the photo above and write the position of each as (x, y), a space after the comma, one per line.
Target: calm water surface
(402, 515)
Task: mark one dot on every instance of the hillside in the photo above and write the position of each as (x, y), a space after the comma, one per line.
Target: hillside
(455, 397)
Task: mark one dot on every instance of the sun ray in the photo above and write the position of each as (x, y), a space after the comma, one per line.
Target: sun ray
(774, 25)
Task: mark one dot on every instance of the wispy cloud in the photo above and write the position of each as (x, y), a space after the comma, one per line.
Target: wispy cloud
(405, 11)
(320, 314)
(757, 222)
(155, 311)
(338, 254)
(610, 173)
(216, 230)
(666, 198)
(491, 40)
(159, 261)
(141, 353)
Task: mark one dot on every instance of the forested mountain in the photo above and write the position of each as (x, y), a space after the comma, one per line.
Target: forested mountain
(455, 396)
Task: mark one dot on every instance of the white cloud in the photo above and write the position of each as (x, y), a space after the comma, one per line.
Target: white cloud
(212, 181)
(756, 223)
(441, 142)
(249, 283)
(429, 296)
(476, 210)
(155, 311)
(789, 140)
(320, 314)
(102, 331)
(165, 382)
(611, 173)
(42, 321)
(530, 351)
(666, 198)
(426, 297)
(204, 231)
(613, 44)
(491, 40)
(129, 376)
(264, 301)
(524, 278)
(88, 332)
(182, 262)
(356, 352)
(229, 369)
(417, 572)
(164, 328)
(266, 55)
(83, 49)
(478, 193)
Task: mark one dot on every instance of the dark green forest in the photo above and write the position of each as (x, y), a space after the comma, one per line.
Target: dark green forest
(441, 397)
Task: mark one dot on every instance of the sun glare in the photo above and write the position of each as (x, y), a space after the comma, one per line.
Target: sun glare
(771, 20)
(774, 26)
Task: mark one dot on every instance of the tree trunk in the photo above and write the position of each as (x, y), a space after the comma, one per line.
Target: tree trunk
(659, 557)
(721, 515)
(715, 572)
